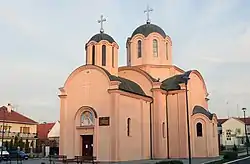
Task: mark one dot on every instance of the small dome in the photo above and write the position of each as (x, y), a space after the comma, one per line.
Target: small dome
(101, 36)
(147, 29)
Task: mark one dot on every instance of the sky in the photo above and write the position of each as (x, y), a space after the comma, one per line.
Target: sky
(43, 41)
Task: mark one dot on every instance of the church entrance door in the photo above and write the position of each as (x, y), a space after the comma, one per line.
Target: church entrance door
(87, 145)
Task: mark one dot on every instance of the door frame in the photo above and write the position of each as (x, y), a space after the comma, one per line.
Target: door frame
(91, 144)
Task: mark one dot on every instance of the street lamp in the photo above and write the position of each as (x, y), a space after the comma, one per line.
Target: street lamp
(186, 78)
(247, 140)
(8, 109)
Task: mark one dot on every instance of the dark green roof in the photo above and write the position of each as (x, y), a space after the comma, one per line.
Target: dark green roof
(101, 36)
(199, 109)
(125, 85)
(147, 29)
(173, 83)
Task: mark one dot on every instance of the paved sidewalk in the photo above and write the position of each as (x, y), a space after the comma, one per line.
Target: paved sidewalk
(194, 161)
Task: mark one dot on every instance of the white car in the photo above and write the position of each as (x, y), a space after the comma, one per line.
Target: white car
(5, 154)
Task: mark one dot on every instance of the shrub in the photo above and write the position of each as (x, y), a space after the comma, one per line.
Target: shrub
(170, 162)
(222, 147)
(231, 155)
(235, 148)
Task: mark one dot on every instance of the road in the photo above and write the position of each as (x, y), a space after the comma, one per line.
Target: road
(247, 161)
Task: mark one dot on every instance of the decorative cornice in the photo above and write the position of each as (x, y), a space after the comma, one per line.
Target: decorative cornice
(146, 98)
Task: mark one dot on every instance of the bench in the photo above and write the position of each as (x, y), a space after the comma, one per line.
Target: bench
(57, 158)
(85, 159)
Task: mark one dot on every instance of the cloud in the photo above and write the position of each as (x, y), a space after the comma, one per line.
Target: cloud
(43, 41)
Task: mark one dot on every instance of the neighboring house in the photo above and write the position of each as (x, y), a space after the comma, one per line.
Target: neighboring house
(43, 130)
(232, 131)
(48, 136)
(17, 126)
(54, 134)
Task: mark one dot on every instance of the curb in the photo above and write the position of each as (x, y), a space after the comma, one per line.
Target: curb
(237, 160)
(211, 161)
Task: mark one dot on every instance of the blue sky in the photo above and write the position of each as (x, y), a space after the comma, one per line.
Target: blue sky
(43, 41)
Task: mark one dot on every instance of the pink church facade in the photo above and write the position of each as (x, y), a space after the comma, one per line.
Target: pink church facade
(136, 111)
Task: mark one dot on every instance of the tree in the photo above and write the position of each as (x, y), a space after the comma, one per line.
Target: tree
(32, 143)
(21, 143)
(6, 144)
(16, 143)
(27, 145)
(11, 145)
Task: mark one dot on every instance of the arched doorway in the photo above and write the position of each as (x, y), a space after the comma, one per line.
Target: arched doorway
(85, 134)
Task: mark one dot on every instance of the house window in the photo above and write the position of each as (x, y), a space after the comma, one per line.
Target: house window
(167, 51)
(163, 130)
(113, 57)
(93, 55)
(155, 48)
(228, 134)
(139, 48)
(129, 127)
(103, 55)
(25, 130)
(199, 129)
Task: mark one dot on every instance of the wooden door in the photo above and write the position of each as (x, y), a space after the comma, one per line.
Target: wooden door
(87, 145)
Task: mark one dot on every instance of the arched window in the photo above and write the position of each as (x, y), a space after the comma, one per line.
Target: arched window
(103, 55)
(113, 57)
(199, 129)
(167, 51)
(163, 130)
(155, 48)
(139, 48)
(129, 127)
(93, 55)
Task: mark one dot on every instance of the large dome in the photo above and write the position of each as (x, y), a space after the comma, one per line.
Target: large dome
(147, 29)
(101, 36)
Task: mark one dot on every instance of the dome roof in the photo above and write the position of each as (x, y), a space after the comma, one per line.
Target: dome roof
(101, 36)
(147, 29)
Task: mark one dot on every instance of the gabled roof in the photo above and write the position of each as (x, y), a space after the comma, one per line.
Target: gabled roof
(221, 121)
(43, 130)
(14, 117)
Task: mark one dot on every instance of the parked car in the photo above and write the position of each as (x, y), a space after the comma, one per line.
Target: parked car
(5, 155)
(14, 154)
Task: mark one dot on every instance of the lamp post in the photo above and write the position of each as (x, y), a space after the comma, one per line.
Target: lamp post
(247, 140)
(5, 109)
(186, 78)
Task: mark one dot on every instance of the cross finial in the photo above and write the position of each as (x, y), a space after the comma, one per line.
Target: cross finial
(101, 21)
(148, 10)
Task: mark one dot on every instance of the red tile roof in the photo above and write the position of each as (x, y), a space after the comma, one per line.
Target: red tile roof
(221, 121)
(14, 117)
(44, 129)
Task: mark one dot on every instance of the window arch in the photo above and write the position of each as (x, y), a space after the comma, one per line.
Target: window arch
(155, 48)
(129, 127)
(93, 54)
(139, 48)
(103, 55)
(199, 129)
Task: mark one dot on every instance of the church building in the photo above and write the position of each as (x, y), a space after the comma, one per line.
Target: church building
(137, 111)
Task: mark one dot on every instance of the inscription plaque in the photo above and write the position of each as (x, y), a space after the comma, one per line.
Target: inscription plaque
(103, 121)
